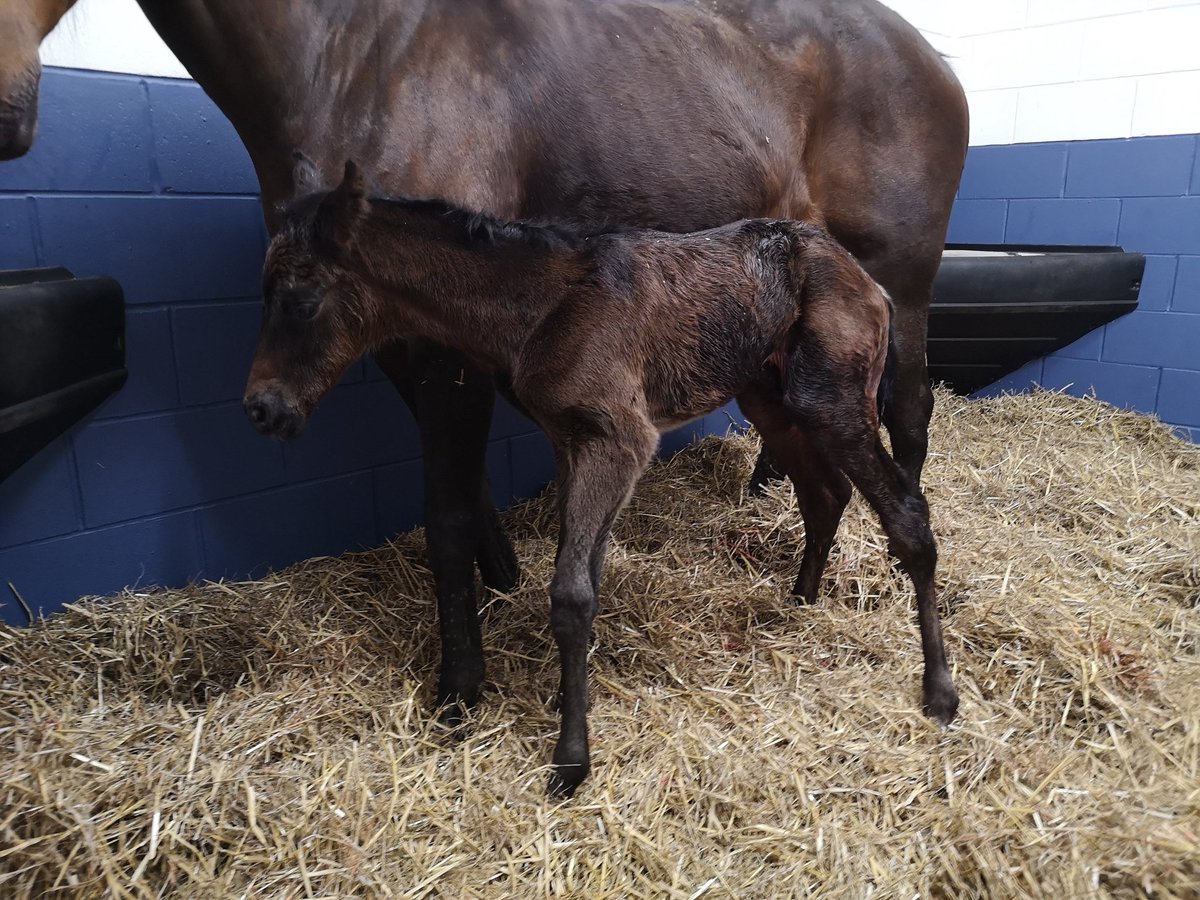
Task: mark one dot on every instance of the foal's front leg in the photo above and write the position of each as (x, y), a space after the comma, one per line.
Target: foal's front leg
(596, 482)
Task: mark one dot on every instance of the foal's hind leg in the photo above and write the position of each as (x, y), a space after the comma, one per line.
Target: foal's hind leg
(821, 489)
(831, 396)
(905, 516)
(823, 493)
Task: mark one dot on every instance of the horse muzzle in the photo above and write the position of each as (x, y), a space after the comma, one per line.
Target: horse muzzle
(273, 415)
(19, 117)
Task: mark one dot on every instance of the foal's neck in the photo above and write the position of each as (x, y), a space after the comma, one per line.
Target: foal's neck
(484, 295)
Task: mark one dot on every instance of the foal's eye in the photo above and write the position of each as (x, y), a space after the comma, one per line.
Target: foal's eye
(304, 310)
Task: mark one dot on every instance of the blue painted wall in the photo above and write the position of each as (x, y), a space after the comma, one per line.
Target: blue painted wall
(1142, 194)
(144, 180)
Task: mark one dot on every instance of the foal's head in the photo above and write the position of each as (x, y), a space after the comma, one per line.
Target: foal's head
(317, 315)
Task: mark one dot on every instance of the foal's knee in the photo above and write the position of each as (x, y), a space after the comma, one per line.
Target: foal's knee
(572, 608)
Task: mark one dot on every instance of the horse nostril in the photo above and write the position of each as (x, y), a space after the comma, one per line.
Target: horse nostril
(256, 410)
(274, 415)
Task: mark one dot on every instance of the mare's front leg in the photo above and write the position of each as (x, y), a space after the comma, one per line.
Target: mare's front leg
(452, 402)
(597, 478)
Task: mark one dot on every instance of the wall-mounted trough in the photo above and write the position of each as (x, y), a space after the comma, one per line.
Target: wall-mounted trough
(62, 351)
(999, 306)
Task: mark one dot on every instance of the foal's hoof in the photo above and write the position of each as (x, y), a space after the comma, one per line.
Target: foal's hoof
(565, 780)
(941, 699)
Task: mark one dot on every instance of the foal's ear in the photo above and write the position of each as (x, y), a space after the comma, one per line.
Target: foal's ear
(344, 208)
(306, 177)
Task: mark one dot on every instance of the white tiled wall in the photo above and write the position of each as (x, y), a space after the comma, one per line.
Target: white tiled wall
(1034, 70)
(109, 36)
(1041, 70)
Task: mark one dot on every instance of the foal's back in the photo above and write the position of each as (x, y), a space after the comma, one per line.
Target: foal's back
(685, 322)
(680, 324)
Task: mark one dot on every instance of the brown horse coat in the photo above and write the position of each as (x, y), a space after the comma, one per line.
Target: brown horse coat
(671, 114)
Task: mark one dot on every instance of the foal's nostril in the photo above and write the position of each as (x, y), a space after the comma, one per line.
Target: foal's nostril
(272, 415)
(256, 410)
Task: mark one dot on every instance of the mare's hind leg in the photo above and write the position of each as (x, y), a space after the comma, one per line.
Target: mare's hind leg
(821, 489)
(452, 403)
(908, 408)
(765, 469)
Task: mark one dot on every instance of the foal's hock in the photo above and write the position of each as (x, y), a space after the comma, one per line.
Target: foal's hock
(607, 339)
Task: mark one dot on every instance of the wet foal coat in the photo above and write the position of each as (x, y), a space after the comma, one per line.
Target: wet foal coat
(605, 339)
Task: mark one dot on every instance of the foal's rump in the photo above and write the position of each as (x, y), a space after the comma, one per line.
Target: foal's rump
(711, 309)
(714, 308)
(840, 343)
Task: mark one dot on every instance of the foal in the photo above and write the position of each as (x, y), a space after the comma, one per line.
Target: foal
(606, 340)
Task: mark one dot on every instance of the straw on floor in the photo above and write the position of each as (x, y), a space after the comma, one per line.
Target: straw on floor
(275, 738)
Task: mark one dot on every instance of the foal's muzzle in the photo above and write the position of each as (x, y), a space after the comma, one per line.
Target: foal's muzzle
(273, 415)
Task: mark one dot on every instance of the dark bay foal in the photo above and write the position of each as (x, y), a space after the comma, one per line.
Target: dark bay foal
(606, 340)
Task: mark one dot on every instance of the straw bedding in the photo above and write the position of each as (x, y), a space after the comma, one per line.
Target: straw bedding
(274, 739)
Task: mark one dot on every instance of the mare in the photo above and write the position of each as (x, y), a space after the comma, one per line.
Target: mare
(669, 114)
(605, 340)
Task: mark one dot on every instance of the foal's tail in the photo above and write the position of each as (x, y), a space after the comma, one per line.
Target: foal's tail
(884, 395)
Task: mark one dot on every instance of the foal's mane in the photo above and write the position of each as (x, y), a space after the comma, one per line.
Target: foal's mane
(494, 230)
(477, 226)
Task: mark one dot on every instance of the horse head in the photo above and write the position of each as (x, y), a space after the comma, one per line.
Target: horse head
(315, 310)
(23, 24)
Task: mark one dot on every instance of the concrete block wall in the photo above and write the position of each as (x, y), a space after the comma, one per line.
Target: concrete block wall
(144, 180)
(1142, 194)
(1084, 124)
